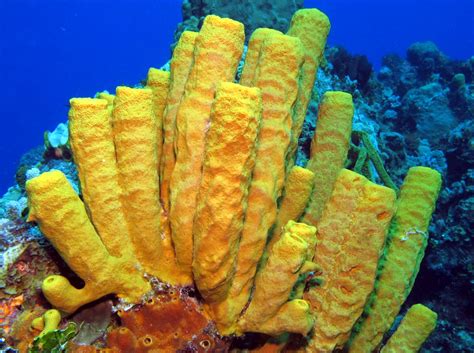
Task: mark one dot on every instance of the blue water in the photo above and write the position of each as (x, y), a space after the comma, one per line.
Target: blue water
(51, 50)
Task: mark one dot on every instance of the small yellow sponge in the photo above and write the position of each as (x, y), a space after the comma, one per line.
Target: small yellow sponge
(107, 96)
(253, 54)
(48, 322)
(413, 331)
(294, 316)
(297, 191)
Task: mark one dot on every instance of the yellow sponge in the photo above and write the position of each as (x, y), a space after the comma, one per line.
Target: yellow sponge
(107, 96)
(180, 65)
(228, 163)
(158, 81)
(47, 322)
(274, 282)
(217, 52)
(311, 26)
(351, 236)
(413, 331)
(134, 130)
(328, 149)
(407, 241)
(62, 217)
(297, 191)
(294, 316)
(94, 153)
(253, 54)
(279, 88)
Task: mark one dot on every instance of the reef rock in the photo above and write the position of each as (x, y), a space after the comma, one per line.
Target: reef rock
(252, 13)
(428, 108)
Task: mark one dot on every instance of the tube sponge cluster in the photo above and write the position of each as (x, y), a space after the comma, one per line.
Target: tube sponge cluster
(191, 180)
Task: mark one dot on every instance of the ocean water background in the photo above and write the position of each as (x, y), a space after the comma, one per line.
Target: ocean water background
(52, 50)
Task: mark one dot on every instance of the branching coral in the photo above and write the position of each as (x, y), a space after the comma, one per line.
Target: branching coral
(191, 180)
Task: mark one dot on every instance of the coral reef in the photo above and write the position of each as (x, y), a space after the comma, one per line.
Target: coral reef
(176, 174)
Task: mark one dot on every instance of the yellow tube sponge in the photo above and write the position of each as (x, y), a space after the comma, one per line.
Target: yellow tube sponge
(407, 241)
(305, 232)
(134, 130)
(107, 96)
(158, 81)
(294, 316)
(311, 26)
(413, 331)
(274, 282)
(279, 88)
(308, 234)
(94, 153)
(180, 66)
(328, 149)
(297, 190)
(351, 236)
(217, 52)
(37, 324)
(228, 163)
(253, 54)
(62, 217)
(50, 321)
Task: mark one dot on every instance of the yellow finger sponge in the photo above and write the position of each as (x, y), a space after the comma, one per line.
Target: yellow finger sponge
(217, 52)
(351, 236)
(311, 27)
(228, 163)
(328, 149)
(62, 217)
(180, 66)
(413, 331)
(403, 253)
